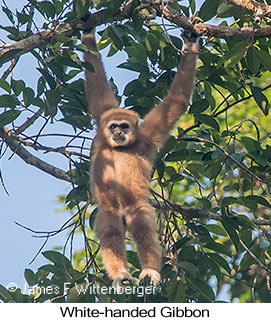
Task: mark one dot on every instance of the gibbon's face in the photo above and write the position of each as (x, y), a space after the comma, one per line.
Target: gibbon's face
(120, 133)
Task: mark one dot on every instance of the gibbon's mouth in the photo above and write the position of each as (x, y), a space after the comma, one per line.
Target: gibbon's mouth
(119, 138)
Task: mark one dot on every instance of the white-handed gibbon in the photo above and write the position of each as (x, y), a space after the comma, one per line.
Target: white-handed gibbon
(122, 162)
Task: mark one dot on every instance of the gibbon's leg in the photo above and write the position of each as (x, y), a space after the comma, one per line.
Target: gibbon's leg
(110, 230)
(142, 224)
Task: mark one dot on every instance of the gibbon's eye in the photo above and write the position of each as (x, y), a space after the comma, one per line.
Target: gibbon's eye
(113, 126)
(124, 126)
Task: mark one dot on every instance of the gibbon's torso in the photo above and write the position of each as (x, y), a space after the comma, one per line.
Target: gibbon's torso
(122, 174)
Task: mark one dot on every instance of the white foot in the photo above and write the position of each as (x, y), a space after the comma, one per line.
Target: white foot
(122, 276)
(152, 273)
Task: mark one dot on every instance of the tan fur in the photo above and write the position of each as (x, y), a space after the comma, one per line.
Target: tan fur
(120, 175)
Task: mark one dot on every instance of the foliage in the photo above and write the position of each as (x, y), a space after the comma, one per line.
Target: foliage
(211, 182)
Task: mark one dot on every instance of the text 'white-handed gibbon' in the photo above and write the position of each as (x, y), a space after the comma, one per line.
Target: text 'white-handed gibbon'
(122, 163)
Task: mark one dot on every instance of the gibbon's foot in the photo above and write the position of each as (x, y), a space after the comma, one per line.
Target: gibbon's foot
(153, 274)
(120, 278)
(190, 36)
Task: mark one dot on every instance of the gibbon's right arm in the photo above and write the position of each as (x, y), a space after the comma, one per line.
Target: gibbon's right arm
(99, 93)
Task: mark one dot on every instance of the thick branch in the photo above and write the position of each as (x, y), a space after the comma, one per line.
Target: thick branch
(206, 29)
(17, 148)
(67, 29)
(11, 51)
(259, 9)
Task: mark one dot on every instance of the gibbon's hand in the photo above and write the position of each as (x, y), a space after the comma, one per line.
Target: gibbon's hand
(85, 19)
(190, 36)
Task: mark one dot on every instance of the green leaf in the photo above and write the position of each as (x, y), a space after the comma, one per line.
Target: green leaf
(220, 261)
(8, 101)
(160, 167)
(41, 86)
(219, 248)
(178, 155)
(58, 259)
(229, 200)
(264, 57)
(28, 95)
(133, 259)
(248, 260)
(180, 243)
(53, 97)
(217, 229)
(199, 106)
(9, 14)
(81, 7)
(17, 86)
(208, 9)
(229, 225)
(253, 61)
(260, 99)
(50, 80)
(151, 42)
(30, 277)
(259, 200)
(88, 66)
(177, 292)
(234, 55)
(136, 51)
(4, 294)
(47, 8)
(79, 291)
(92, 218)
(114, 37)
(224, 10)
(208, 120)
(203, 288)
(215, 270)
(8, 116)
(246, 237)
(5, 86)
(168, 146)
(189, 267)
(250, 144)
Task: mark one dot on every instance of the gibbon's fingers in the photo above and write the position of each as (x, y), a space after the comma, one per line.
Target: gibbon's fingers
(154, 275)
(123, 276)
(190, 36)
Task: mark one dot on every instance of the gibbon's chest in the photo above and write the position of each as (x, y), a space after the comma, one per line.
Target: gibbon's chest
(122, 165)
(113, 168)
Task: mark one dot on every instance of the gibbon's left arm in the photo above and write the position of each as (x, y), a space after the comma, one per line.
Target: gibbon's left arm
(160, 120)
(99, 93)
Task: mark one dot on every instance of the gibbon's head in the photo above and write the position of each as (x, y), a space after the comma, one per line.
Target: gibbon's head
(119, 127)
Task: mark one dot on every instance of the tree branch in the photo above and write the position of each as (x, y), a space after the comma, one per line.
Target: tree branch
(10, 139)
(47, 36)
(206, 29)
(259, 9)
(41, 39)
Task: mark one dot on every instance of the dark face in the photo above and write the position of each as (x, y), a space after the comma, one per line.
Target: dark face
(120, 133)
